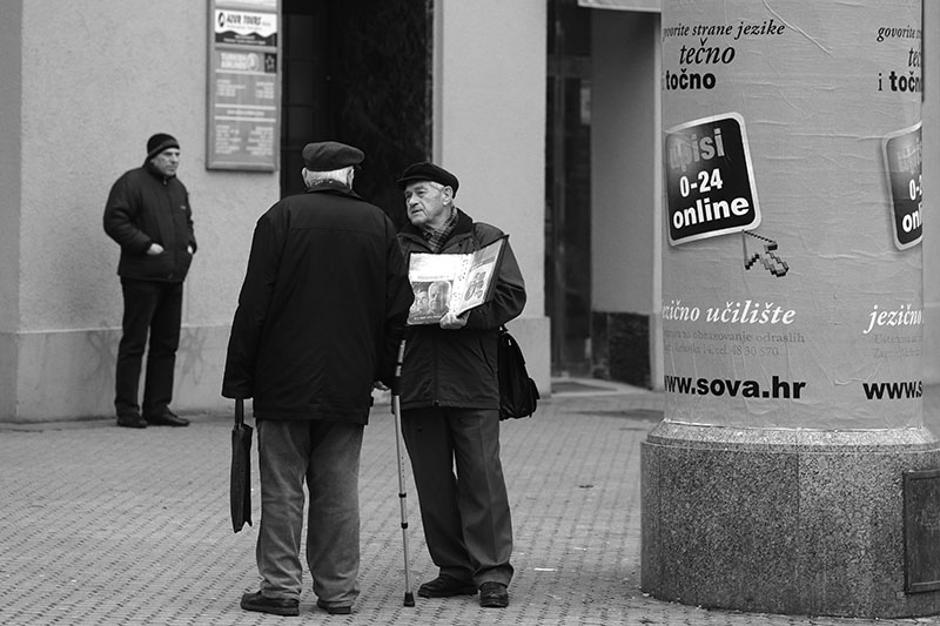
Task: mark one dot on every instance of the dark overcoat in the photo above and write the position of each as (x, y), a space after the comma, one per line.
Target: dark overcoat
(321, 311)
(458, 368)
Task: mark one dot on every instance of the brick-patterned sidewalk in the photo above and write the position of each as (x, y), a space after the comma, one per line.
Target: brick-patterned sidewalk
(102, 525)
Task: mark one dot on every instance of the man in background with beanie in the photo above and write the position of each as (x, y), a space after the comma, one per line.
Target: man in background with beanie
(319, 319)
(148, 215)
(450, 402)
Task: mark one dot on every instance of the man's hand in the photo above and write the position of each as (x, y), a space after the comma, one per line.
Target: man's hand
(380, 385)
(454, 322)
(154, 249)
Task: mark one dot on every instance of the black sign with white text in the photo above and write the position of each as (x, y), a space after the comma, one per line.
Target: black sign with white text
(902, 152)
(709, 180)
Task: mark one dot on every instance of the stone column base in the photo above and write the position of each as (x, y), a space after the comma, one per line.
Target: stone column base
(792, 522)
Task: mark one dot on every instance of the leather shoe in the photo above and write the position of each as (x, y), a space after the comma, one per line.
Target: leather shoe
(275, 606)
(445, 587)
(334, 609)
(131, 420)
(494, 595)
(167, 418)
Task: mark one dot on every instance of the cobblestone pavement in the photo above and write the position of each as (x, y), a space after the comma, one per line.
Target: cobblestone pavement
(102, 525)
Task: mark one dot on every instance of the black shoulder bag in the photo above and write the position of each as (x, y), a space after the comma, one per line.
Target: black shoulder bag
(518, 395)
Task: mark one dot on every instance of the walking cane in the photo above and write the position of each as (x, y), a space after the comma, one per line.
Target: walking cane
(402, 495)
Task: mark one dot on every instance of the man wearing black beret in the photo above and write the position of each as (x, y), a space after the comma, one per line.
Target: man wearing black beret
(450, 402)
(148, 215)
(319, 319)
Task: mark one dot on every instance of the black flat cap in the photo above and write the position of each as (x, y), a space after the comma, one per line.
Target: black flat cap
(425, 171)
(326, 156)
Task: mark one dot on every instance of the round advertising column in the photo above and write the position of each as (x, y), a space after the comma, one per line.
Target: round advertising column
(792, 472)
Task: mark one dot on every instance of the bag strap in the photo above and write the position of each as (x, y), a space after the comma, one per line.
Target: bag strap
(504, 332)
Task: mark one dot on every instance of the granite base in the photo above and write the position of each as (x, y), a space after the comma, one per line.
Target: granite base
(790, 522)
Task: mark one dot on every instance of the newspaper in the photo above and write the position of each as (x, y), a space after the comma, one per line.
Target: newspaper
(452, 282)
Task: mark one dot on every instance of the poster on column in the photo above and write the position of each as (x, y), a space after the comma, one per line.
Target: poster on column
(902, 153)
(243, 117)
(792, 274)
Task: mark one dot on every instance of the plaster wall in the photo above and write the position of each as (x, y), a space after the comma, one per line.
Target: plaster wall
(626, 203)
(489, 130)
(10, 104)
(931, 173)
(96, 83)
(88, 111)
(623, 166)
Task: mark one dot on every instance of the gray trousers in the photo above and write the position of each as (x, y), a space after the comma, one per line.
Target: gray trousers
(466, 516)
(326, 455)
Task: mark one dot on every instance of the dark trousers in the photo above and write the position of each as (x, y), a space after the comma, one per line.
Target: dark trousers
(465, 516)
(155, 308)
(325, 455)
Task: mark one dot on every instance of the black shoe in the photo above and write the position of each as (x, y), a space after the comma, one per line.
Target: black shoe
(445, 587)
(131, 420)
(333, 609)
(494, 596)
(275, 606)
(167, 418)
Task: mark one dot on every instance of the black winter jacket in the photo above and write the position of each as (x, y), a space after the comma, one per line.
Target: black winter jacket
(457, 368)
(321, 311)
(145, 207)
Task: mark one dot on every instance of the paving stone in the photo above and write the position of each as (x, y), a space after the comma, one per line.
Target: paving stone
(103, 525)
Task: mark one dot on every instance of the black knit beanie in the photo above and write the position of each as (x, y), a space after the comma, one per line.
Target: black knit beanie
(160, 142)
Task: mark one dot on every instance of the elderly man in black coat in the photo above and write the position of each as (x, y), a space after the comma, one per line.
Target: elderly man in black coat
(319, 318)
(450, 402)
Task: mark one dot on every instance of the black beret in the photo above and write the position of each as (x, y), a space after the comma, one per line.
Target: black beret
(326, 156)
(427, 171)
(160, 142)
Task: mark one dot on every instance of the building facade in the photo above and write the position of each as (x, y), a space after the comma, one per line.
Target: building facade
(547, 110)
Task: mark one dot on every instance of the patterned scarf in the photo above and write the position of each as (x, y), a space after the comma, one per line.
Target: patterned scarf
(436, 238)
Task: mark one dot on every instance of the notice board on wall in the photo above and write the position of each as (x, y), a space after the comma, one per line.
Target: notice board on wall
(244, 85)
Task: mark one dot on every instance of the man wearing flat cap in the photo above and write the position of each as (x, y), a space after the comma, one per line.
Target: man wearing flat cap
(319, 319)
(450, 402)
(148, 215)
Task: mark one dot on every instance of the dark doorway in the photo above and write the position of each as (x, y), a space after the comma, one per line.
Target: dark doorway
(568, 187)
(358, 72)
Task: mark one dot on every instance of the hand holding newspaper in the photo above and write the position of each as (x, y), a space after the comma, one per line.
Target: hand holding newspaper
(452, 282)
